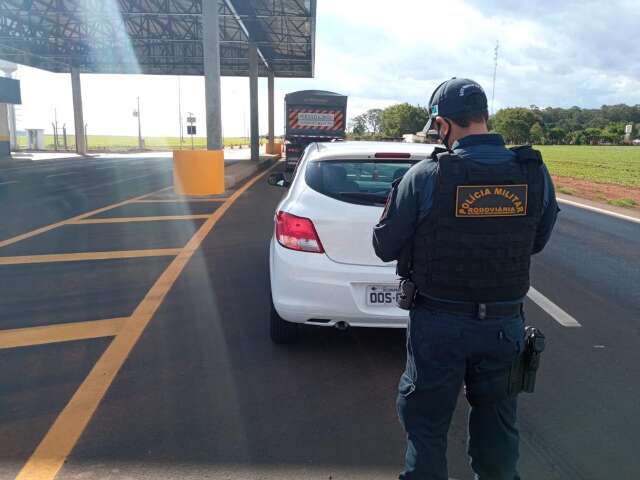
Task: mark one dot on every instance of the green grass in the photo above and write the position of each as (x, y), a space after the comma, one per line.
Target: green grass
(623, 202)
(566, 190)
(114, 142)
(618, 165)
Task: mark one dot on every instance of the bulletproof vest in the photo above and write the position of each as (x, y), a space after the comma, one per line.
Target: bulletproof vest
(476, 243)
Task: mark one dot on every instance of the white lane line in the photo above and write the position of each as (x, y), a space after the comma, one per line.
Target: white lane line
(61, 174)
(558, 314)
(9, 182)
(600, 210)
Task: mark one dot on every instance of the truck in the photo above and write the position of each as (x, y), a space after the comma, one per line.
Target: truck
(312, 116)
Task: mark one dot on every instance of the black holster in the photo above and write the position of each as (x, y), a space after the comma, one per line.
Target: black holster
(408, 289)
(522, 377)
(407, 295)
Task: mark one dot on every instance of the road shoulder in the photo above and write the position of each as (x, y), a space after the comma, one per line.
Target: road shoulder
(631, 214)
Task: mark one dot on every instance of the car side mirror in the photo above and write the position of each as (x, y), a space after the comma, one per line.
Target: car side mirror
(278, 180)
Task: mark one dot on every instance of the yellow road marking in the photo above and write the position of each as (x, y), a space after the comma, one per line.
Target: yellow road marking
(137, 219)
(49, 456)
(47, 228)
(83, 256)
(64, 332)
(181, 200)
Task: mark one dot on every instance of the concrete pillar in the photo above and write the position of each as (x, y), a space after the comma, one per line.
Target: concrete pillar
(211, 52)
(78, 119)
(5, 149)
(9, 69)
(270, 93)
(197, 172)
(13, 137)
(253, 102)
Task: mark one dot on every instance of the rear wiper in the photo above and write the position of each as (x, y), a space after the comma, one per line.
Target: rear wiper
(369, 196)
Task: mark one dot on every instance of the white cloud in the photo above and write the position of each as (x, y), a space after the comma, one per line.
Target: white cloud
(551, 53)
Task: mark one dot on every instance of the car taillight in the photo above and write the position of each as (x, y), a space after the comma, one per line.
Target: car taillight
(297, 233)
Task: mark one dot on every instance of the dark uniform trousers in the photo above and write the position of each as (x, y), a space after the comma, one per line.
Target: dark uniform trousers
(445, 351)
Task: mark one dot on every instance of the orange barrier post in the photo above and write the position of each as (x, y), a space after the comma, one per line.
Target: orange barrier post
(198, 172)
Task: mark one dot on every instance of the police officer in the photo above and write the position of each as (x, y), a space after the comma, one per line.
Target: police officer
(471, 217)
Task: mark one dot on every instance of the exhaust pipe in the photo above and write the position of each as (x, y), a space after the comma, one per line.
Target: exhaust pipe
(342, 326)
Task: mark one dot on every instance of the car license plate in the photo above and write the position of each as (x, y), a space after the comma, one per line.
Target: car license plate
(381, 295)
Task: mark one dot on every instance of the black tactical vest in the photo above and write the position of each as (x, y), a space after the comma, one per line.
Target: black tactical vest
(476, 243)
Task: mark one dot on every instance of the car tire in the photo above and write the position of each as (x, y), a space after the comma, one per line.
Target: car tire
(281, 331)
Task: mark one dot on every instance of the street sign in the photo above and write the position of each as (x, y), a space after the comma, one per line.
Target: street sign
(135, 113)
(628, 129)
(191, 129)
(191, 119)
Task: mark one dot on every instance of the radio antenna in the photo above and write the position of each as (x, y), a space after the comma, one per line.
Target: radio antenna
(495, 70)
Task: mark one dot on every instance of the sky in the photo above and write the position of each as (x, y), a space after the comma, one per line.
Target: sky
(552, 53)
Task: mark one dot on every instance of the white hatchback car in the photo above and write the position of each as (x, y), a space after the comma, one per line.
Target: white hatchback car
(323, 268)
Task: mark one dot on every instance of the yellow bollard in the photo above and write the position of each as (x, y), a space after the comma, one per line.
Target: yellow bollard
(198, 172)
(274, 149)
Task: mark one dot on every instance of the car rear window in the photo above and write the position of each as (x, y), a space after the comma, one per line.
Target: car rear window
(363, 182)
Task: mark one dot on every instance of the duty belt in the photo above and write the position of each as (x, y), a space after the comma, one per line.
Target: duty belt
(478, 310)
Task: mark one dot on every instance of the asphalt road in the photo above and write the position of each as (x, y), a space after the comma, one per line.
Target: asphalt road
(205, 394)
(36, 193)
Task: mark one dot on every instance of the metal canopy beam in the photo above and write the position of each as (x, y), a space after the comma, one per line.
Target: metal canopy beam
(250, 35)
(157, 36)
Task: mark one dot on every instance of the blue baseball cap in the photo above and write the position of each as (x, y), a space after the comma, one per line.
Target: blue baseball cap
(455, 97)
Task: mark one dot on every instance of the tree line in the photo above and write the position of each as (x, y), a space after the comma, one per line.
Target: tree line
(391, 122)
(570, 126)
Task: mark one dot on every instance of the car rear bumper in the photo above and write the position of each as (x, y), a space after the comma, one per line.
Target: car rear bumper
(311, 288)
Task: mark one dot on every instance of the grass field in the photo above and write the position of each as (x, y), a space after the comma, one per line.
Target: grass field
(617, 165)
(112, 142)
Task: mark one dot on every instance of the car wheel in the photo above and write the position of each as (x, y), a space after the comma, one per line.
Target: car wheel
(281, 330)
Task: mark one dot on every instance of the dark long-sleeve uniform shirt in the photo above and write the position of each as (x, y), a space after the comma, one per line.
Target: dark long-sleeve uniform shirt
(414, 197)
